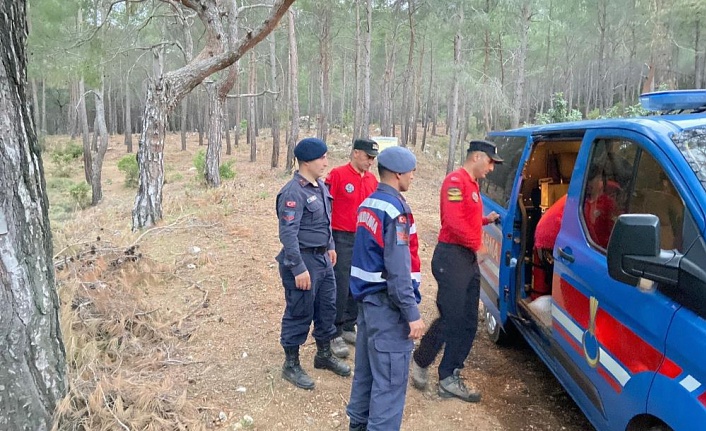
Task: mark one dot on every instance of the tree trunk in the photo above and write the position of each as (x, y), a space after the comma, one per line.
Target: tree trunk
(213, 152)
(524, 25)
(32, 360)
(166, 91)
(238, 107)
(252, 87)
(35, 103)
(73, 111)
(128, 117)
(325, 66)
(365, 119)
(226, 126)
(99, 153)
(453, 111)
(408, 85)
(698, 56)
(293, 83)
(83, 117)
(184, 115)
(427, 111)
(275, 103)
(44, 107)
(200, 118)
(387, 84)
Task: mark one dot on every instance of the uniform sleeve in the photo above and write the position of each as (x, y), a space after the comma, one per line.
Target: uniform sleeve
(457, 210)
(398, 267)
(331, 181)
(289, 213)
(328, 201)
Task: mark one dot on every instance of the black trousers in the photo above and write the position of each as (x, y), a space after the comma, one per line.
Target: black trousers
(346, 307)
(456, 271)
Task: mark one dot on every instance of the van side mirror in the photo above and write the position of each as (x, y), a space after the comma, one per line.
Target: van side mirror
(634, 252)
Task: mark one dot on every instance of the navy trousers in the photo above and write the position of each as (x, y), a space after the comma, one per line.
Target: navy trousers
(382, 354)
(346, 307)
(456, 271)
(304, 306)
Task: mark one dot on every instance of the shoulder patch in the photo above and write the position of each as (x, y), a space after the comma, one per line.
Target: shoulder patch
(288, 216)
(291, 204)
(454, 178)
(402, 219)
(453, 194)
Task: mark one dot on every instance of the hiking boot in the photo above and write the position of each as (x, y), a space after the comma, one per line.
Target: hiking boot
(357, 427)
(325, 360)
(453, 386)
(349, 337)
(292, 370)
(339, 348)
(420, 376)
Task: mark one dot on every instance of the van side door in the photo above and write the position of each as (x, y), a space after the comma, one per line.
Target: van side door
(613, 335)
(499, 253)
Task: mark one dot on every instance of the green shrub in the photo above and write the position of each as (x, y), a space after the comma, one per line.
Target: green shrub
(225, 169)
(63, 157)
(128, 166)
(81, 194)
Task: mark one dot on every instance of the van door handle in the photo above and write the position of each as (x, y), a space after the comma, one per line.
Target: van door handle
(566, 255)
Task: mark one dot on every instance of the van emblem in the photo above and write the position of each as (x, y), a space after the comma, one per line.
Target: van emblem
(591, 349)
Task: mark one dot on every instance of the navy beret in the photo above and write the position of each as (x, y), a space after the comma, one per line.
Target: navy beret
(397, 159)
(309, 149)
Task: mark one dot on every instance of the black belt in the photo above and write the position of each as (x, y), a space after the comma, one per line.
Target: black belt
(314, 250)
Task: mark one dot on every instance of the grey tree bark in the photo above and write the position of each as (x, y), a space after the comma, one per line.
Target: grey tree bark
(85, 134)
(275, 102)
(524, 25)
(294, 97)
(453, 111)
(166, 91)
(217, 93)
(252, 88)
(325, 71)
(32, 358)
(128, 117)
(98, 153)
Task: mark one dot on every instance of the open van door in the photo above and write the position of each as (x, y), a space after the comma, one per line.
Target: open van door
(499, 254)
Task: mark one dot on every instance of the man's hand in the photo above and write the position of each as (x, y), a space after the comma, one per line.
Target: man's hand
(303, 281)
(416, 329)
(332, 254)
(492, 217)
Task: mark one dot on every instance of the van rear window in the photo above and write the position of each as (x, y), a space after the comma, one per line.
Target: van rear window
(692, 144)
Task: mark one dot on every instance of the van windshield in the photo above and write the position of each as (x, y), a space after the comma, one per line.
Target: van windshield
(692, 144)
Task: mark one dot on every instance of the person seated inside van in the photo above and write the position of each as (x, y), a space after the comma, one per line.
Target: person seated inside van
(599, 207)
(544, 240)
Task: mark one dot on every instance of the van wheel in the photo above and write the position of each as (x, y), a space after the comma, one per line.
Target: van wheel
(492, 327)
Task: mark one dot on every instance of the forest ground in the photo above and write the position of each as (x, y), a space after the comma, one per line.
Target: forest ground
(183, 332)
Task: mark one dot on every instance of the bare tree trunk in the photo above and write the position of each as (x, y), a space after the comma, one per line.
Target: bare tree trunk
(325, 66)
(44, 107)
(453, 111)
(365, 119)
(99, 152)
(293, 83)
(387, 83)
(406, 110)
(128, 117)
(427, 111)
(226, 126)
(200, 118)
(275, 103)
(238, 116)
(698, 56)
(83, 117)
(184, 115)
(33, 360)
(166, 91)
(213, 152)
(73, 113)
(358, 111)
(525, 20)
(252, 88)
(35, 102)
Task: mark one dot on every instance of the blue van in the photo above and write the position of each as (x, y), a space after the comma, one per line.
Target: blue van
(617, 308)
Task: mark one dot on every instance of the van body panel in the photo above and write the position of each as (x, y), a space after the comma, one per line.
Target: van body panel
(621, 353)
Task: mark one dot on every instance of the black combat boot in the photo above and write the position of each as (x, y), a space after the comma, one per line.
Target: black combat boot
(357, 427)
(293, 372)
(324, 359)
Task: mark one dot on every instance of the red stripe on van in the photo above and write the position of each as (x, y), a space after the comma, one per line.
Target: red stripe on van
(622, 343)
(609, 378)
(702, 398)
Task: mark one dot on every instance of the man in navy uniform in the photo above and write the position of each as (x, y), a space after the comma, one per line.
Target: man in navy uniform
(385, 281)
(306, 264)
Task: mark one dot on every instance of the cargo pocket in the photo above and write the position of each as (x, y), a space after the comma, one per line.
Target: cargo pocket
(394, 359)
(299, 302)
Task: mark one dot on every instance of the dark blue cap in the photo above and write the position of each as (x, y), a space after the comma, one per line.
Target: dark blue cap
(397, 159)
(309, 149)
(487, 147)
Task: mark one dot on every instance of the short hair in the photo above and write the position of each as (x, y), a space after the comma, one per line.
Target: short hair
(383, 171)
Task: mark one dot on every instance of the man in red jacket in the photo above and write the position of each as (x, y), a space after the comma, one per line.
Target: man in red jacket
(455, 268)
(349, 185)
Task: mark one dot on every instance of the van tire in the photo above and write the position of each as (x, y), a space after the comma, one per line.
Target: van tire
(496, 333)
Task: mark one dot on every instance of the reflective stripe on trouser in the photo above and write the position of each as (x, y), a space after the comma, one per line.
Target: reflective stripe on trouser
(456, 271)
(346, 307)
(304, 306)
(382, 355)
